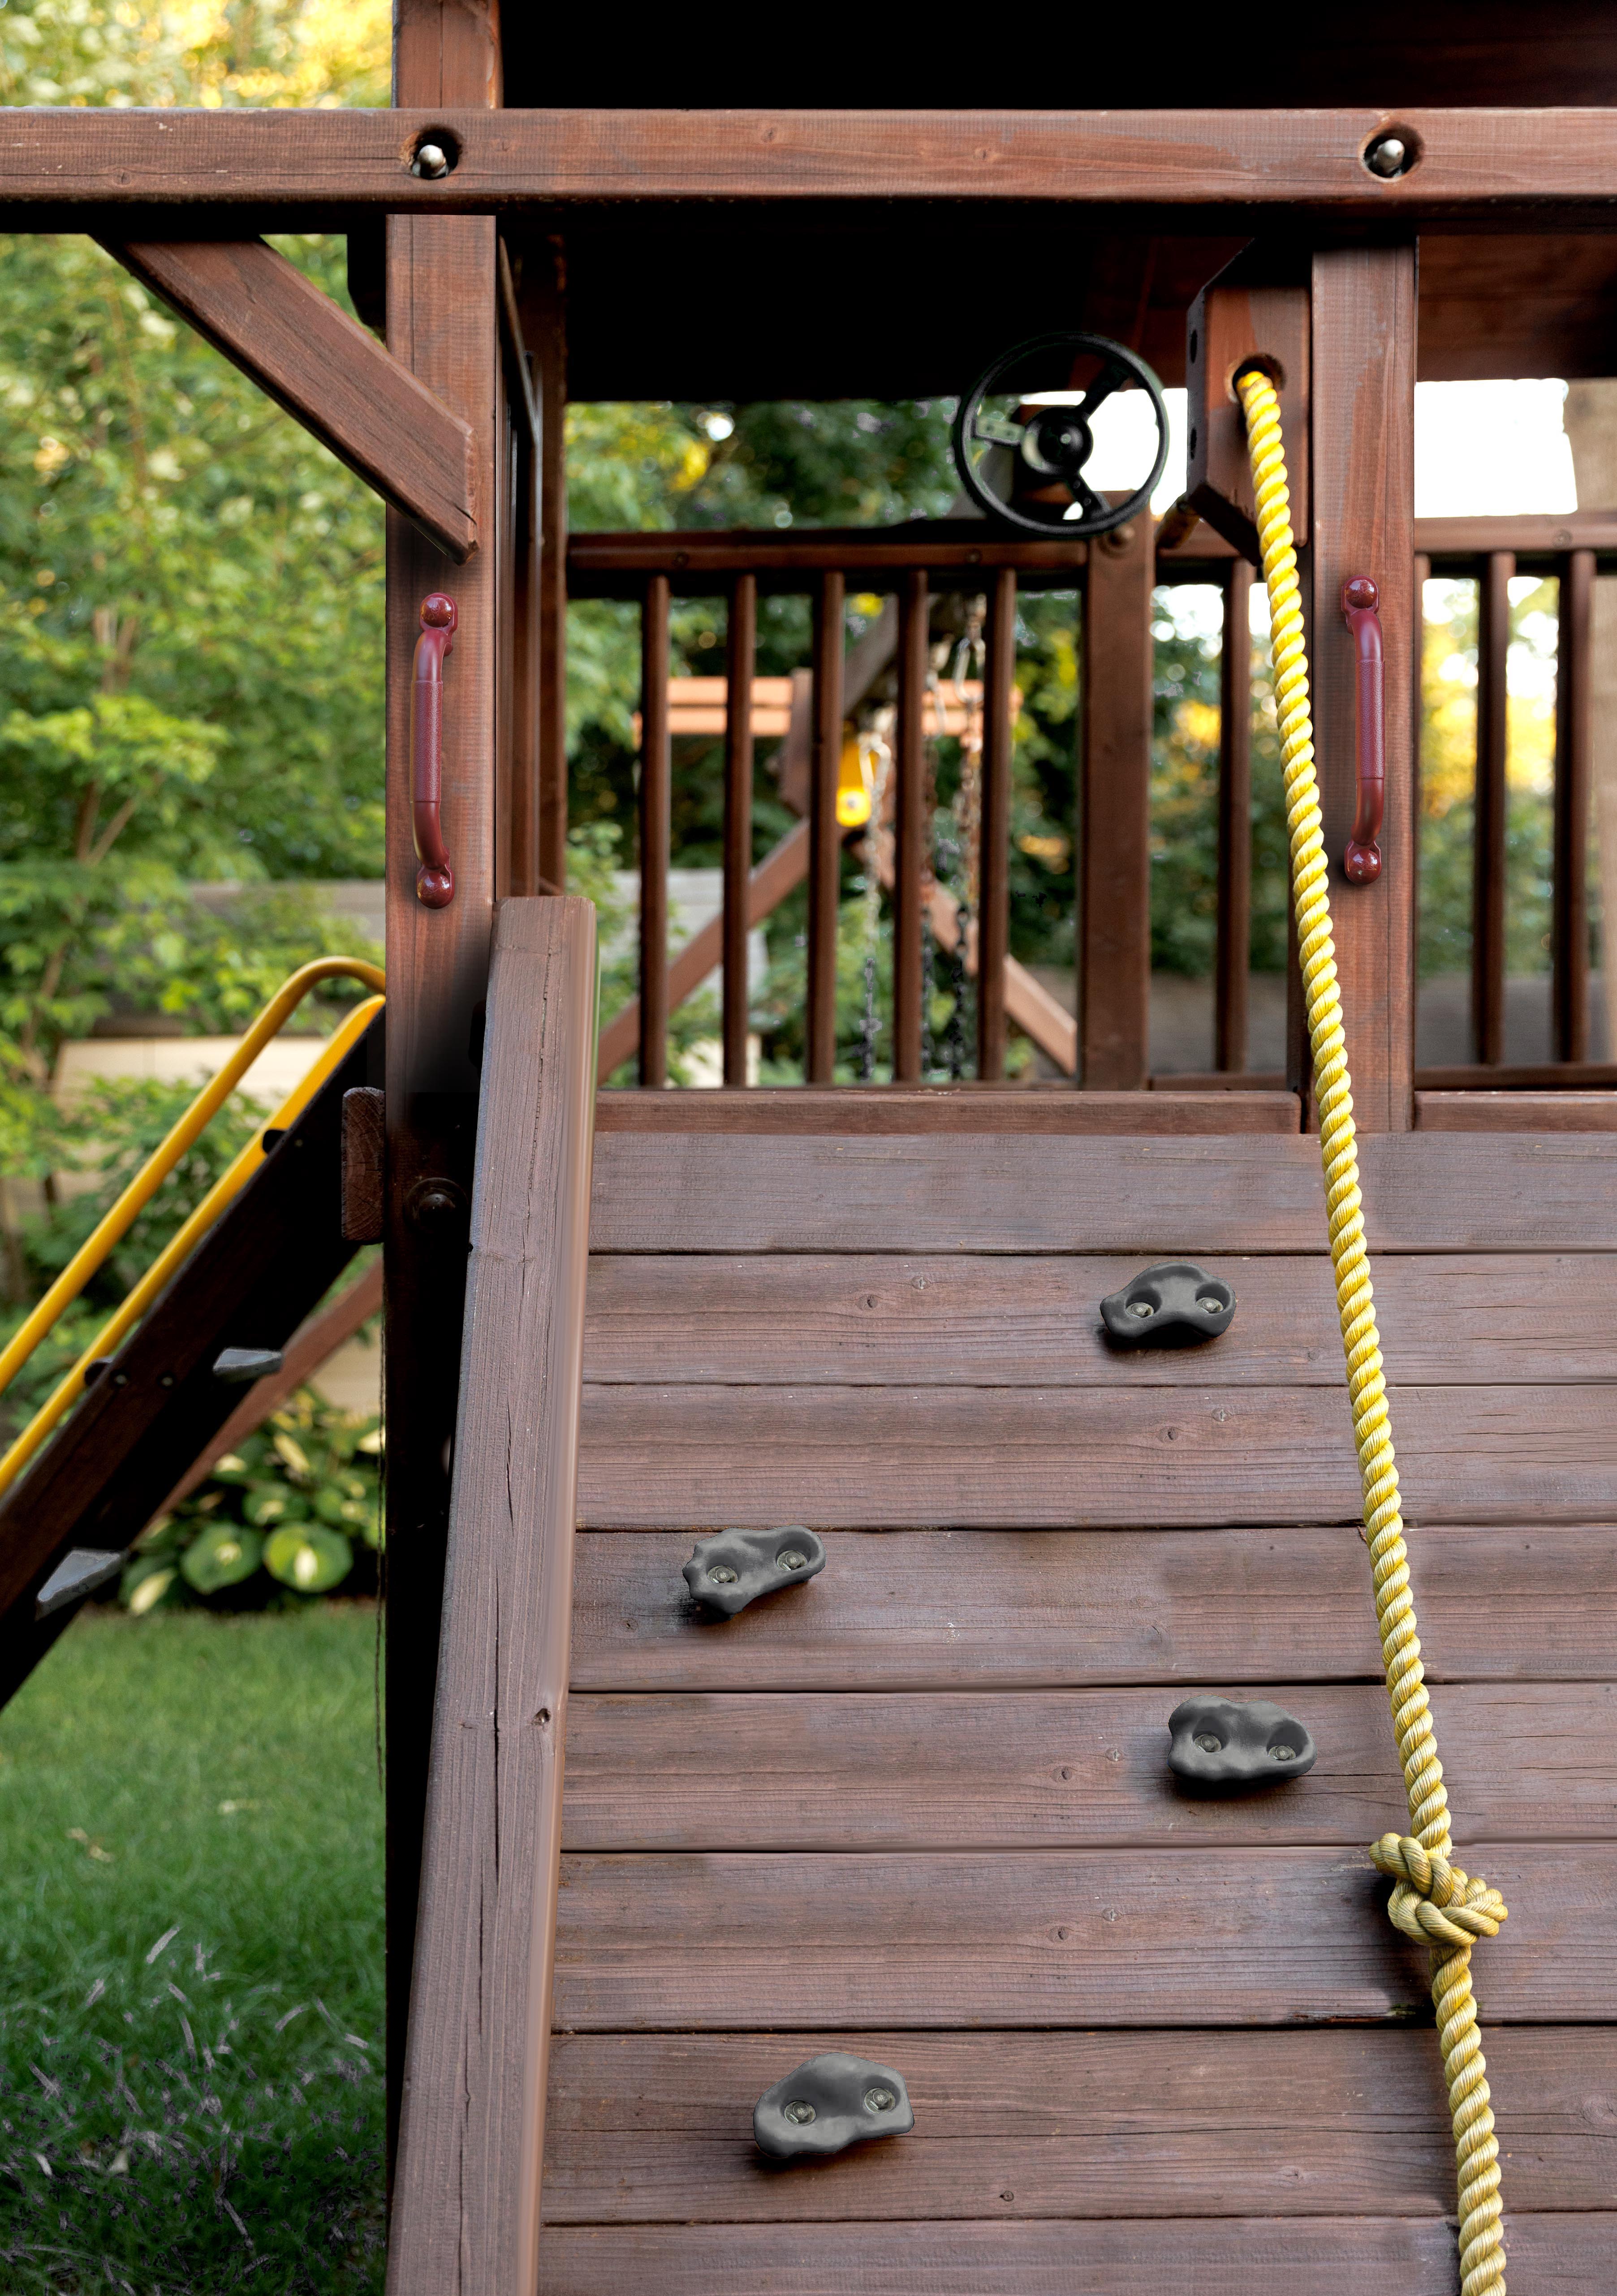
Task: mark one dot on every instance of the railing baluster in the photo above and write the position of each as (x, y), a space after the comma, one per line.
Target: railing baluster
(825, 838)
(910, 829)
(655, 800)
(1574, 762)
(1229, 1051)
(993, 835)
(1488, 883)
(741, 648)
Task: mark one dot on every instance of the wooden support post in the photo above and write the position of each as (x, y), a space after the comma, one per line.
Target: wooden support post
(516, 539)
(993, 849)
(741, 647)
(442, 297)
(1233, 951)
(825, 838)
(1362, 476)
(545, 323)
(466, 2209)
(1115, 813)
(1574, 770)
(1487, 830)
(911, 829)
(656, 817)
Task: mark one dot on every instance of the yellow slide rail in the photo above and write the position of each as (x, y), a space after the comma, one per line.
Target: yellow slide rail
(93, 1254)
(1432, 1900)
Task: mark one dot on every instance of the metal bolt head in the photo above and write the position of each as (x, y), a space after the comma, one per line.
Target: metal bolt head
(799, 2110)
(721, 1575)
(1283, 1753)
(1209, 1742)
(1386, 156)
(1211, 1306)
(790, 1558)
(436, 1206)
(877, 2100)
(432, 159)
(1141, 1307)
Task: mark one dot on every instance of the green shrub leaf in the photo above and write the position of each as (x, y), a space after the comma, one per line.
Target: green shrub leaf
(308, 1557)
(222, 1556)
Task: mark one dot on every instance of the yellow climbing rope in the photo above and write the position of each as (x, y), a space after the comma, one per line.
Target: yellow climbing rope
(1432, 1901)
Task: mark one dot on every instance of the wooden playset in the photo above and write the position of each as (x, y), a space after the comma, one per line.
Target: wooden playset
(955, 1878)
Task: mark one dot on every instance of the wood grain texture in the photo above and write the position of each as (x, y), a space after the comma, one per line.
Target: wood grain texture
(886, 1109)
(1363, 477)
(1034, 1458)
(1016, 2126)
(1533, 166)
(676, 1192)
(326, 370)
(910, 828)
(442, 297)
(1232, 953)
(1061, 1769)
(466, 2208)
(1115, 814)
(1488, 831)
(722, 1942)
(365, 1157)
(1517, 1111)
(957, 553)
(761, 1319)
(992, 1609)
(1340, 2256)
(1574, 781)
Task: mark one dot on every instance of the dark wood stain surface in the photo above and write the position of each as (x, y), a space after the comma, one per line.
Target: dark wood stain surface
(919, 1807)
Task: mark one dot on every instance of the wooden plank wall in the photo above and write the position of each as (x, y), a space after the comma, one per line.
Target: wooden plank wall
(919, 1807)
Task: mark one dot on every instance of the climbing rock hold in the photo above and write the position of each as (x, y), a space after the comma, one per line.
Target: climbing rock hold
(1176, 1300)
(829, 2103)
(732, 1567)
(1225, 1742)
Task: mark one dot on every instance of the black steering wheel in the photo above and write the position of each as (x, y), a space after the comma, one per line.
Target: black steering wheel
(1022, 461)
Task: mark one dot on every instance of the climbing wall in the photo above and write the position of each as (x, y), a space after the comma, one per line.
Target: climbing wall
(920, 1807)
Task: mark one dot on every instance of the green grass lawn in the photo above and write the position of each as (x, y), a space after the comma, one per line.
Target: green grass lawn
(191, 1958)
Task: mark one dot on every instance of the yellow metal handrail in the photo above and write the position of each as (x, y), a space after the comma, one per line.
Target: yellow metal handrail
(93, 1254)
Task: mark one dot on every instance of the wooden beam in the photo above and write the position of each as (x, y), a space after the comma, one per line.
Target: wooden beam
(1114, 844)
(466, 2208)
(1363, 477)
(1524, 168)
(886, 558)
(324, 369)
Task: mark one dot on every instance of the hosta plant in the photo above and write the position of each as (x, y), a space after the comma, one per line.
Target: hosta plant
(296, 1506)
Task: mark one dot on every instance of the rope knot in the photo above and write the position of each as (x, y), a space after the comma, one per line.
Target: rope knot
(1433, 1902)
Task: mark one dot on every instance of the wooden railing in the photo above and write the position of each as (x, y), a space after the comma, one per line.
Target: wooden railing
(1107, 1045)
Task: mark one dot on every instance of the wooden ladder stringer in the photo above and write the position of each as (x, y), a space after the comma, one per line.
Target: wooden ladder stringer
(466, 2197)
(155, 1409)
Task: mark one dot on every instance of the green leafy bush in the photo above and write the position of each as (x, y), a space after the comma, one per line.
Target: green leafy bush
(294, 1510)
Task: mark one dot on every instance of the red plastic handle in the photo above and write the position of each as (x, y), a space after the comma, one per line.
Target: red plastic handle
(435, 878)
(1360, 603)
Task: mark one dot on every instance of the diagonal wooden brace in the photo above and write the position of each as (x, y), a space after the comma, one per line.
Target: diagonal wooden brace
(323, 367)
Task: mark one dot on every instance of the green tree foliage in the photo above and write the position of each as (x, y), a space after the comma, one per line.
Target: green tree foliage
(191, 609)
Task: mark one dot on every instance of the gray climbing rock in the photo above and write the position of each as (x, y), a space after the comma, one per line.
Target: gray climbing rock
(828, 2103)
(1226, 1742)
(732, 1567)
(1175, 1302)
